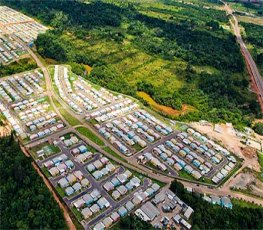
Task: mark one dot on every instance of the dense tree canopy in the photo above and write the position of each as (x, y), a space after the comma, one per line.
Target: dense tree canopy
(22, 65)
(210, 65)
(25, 201)
(258, 128)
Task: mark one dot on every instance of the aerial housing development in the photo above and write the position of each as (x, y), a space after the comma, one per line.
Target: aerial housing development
(103, 153)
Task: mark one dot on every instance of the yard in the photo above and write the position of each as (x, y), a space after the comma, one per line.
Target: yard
(49, 150)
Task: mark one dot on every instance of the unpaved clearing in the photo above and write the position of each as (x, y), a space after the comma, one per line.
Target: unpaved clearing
(5, 131)
(226, 136)
(165, 109)
(248, 182)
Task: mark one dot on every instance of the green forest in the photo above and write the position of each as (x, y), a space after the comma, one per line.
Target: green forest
(19, 66)
(25, 201)
(208, 216)
(254, 37)
(178, 53)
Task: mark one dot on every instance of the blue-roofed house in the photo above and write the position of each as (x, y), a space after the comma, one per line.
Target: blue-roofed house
(69, 191)
(226, 202)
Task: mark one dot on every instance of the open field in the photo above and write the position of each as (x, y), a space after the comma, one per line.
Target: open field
(69, 118)
(257, 20)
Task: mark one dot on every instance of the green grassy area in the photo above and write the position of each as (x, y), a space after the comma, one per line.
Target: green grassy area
(69, 118)
(93, 121)
(77, 213)
(113, 153)
(137, 147)
(56, 103)
(176, 52)
(206, 180)
(246, 7)
(90, 135)
(260, 160)
(185, 175)
(60, 191)
(244, 204)
(45, 172)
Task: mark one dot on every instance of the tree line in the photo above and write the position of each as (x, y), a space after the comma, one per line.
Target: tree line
(25, 201)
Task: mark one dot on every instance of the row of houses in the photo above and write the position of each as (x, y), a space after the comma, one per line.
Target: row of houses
(25, 104)
(209, 143)
(116, 111)
(127, 207)
(101, 168)
(47, 131)
(91, 203)
(118, 188)
(13, 121)
(9, 49)
(73, 183)
(60, 76)
(59, 165)
(70, 141)
(200, 149)
(19, 24)
(8, 93)
(223, 172)
(216, 200)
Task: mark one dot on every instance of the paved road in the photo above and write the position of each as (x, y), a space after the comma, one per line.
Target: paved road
(252, 67)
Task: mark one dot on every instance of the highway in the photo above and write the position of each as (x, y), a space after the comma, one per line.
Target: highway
(251, 65)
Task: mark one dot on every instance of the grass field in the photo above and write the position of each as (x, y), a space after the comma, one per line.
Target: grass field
(185, 175)
(114, 154)
(243, 204)
(260, 160)
(77, 214)
(256, 20)
(251, 9)
(86, 132)
(69, 118)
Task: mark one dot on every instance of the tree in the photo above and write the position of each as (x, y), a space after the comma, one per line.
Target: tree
(258, 128)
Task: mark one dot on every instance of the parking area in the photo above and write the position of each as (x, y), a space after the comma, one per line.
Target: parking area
(22, 26)
(10, 50)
